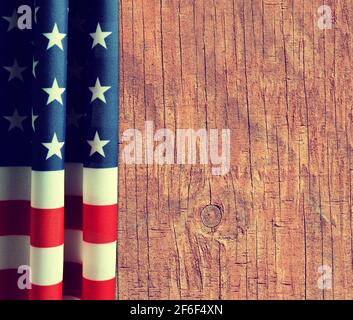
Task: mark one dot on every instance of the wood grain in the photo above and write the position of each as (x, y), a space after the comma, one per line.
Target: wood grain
(284, 87)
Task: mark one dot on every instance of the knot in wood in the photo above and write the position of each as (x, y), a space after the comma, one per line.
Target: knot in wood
(211, 216)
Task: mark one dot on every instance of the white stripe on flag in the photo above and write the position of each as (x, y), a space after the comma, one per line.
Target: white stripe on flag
(14, 251)
(100, 186)
(73, 179)
(47, 265)
(47, 189)
(70, 298)
(15, 183)
(99, 261)
(73, 246)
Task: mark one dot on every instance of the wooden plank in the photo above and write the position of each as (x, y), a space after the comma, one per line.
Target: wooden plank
(265, 70)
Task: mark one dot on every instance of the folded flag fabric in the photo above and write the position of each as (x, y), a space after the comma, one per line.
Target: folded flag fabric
(58, 148)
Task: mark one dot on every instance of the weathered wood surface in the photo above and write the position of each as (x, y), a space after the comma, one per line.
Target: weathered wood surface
(284, 87)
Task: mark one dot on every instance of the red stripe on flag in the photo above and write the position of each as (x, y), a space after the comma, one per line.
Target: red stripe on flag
(9, 289)
(72, 270)
(53, 292)
(99, 223)
(73, 212)
(98, 290)
(72, 279)
(14, 217)
(47, 227)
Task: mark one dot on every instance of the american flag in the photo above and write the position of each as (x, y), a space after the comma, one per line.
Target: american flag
(59, 149)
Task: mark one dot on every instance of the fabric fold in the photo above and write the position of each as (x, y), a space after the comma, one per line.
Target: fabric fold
(59, 149)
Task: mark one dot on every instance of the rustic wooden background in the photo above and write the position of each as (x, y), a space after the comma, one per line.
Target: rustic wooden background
(284, 87)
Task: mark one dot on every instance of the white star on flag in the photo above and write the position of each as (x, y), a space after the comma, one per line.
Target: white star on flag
(54, 93)
(54, 147)
(34, 65)
(15, 71)
(75, 70)
(97, 145)
(12, 20)
(99, 37)
(72, 118)
(36, 9)
(55, 38)
(34, 118)
(15, 121)
(98, 91)
(77, 23)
